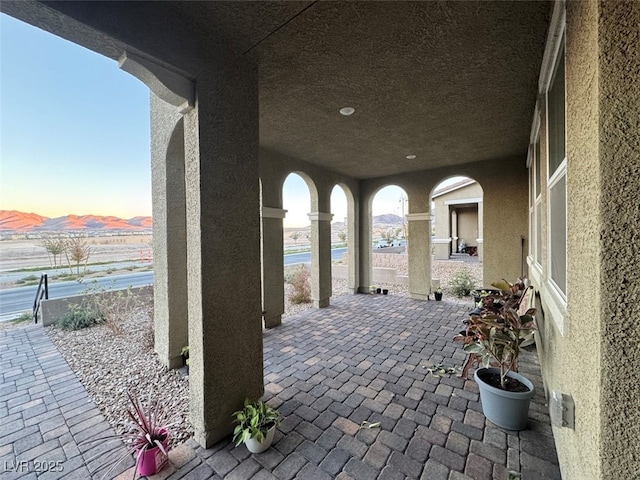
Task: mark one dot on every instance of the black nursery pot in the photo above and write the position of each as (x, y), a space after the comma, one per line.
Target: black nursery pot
(378, 290)
(438, 296)
(385, 291)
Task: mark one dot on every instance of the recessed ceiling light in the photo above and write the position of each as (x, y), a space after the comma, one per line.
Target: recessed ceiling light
(410, 157)
(346, 111)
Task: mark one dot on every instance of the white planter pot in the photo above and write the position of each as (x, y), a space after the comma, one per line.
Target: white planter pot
(509, 410)
(254, 446)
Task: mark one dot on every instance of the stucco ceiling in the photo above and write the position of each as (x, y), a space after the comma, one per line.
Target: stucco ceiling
(448, 82)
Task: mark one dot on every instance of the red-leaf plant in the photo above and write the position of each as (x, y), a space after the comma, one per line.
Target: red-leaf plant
(502, 328)
(148, 428)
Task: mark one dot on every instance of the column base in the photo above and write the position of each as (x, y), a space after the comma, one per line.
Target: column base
(321, 303)
(271, 321)
(419, 296)
(175, 362)
(207, 439)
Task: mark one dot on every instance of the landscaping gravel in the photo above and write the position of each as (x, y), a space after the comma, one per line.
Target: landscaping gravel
(109, 365)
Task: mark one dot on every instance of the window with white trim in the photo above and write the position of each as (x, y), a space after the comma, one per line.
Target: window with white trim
(535, 199)
(557, 182)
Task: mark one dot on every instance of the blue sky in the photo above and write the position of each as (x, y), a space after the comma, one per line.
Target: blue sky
(75, 129)
(75, 134)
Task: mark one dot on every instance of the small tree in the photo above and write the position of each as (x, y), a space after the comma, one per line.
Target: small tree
(54, 247)
(77, 251)
(295, 236)
(390, 235)
(342, 235)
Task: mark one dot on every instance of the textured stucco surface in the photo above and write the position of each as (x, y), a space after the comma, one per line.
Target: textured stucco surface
(274, 169)
(619, 148)
(225, 328)
(596, 360)
(504, 183)
(170, 232)
(443, 224)
(441, 80)
(571, 362)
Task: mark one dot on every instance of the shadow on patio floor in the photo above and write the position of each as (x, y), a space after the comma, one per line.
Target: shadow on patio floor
(366, 358)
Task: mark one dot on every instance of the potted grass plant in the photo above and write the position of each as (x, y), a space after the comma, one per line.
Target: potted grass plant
(255, 425)
(147, 437)
(496, 334)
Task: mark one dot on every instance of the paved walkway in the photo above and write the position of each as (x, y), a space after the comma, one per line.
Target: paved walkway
(47, 414)
(365, 358)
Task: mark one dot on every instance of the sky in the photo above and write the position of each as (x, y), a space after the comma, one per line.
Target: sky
(74, 135)
(74, 129)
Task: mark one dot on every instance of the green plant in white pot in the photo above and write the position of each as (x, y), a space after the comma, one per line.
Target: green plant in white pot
(496, 336)
(255, 425)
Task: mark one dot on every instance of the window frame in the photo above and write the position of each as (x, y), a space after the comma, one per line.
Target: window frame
(560, 171)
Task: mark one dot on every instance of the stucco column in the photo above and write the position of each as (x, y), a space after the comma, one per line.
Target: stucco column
(169, 232)
(320, 258)
(480, 238)
(419, 255)
(272, 266)
(365, 267)
(454, 230)
(223, 247)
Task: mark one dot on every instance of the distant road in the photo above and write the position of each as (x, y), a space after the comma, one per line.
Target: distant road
(14, 301)
(305, 257)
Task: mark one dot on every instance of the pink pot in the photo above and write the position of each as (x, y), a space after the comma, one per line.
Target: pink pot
(153, 460)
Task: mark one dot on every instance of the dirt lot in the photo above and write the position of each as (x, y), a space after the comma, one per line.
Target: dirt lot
(16, 254)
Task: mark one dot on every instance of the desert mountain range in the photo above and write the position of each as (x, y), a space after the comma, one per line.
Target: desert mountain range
(11, 220)
(20, 222)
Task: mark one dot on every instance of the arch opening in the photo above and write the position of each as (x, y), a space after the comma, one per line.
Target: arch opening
(389, 236)
(457, 245)
(297, 190)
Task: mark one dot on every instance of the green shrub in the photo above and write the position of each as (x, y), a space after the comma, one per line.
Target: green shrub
(301, 289)
(79, 316)
(23, 317)
(461, 283)
(29, 280)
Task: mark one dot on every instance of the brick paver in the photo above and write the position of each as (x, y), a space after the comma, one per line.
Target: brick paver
(47, 414)
(363, 359)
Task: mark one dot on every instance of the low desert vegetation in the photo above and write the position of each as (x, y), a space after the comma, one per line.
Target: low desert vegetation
(301, 288)
(462, 282)
(101, 305)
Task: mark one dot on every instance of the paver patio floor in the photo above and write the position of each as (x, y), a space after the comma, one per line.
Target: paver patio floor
(365, 358)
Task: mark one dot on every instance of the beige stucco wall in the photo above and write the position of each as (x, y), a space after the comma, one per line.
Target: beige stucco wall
(619, 148)
(592, 352)
(468, 227)
(505, 222)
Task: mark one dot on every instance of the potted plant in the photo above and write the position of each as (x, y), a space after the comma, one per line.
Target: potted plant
(495, 335)
(185, 356)
(255, 425)
(147, 438)
(438, 294)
